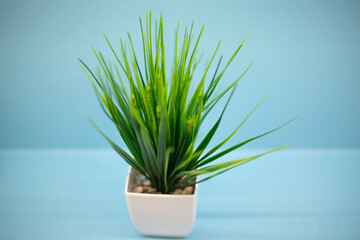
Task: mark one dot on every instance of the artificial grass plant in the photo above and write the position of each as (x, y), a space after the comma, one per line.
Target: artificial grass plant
(157, 114)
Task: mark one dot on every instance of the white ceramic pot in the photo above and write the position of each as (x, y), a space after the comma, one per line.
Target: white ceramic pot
(161, 215)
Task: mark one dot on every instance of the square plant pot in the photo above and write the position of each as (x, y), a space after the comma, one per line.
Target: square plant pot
(162, 215)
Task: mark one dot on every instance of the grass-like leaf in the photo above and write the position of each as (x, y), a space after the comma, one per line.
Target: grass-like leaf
(157, 114)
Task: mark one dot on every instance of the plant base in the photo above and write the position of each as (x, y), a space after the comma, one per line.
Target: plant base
(162, 215)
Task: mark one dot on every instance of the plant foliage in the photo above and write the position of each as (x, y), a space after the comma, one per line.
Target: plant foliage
(157, 114)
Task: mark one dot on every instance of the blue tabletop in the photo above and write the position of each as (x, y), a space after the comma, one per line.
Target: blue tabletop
(79, 194)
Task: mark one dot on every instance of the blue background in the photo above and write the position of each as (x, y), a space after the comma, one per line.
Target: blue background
(307, 54)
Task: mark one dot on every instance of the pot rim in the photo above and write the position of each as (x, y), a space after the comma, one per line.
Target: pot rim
(147, 195)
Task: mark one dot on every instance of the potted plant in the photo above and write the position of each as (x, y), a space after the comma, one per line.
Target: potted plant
(158, 117)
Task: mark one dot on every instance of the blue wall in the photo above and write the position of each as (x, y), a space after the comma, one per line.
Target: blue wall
(307, 54)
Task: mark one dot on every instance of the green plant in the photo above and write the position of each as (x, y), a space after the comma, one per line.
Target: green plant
(157, 115)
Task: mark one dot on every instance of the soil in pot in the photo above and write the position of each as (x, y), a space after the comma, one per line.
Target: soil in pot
(143, 185)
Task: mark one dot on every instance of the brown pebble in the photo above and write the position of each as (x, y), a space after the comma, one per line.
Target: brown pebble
(152, 190)
(146, 182)
(177, 191)
(189, 189)
(145, 188)
(138, 189)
